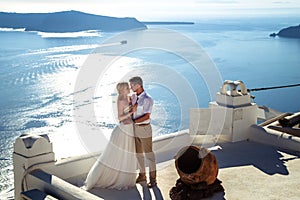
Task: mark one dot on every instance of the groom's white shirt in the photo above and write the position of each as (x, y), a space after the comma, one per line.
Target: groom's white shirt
(145, 104)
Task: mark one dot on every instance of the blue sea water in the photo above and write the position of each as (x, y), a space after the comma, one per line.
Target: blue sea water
(38, 71)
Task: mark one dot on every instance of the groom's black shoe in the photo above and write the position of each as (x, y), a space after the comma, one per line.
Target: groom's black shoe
(152, 184)
(141, 179)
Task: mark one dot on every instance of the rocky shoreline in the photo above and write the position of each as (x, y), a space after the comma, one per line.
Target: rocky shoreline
(289, 32)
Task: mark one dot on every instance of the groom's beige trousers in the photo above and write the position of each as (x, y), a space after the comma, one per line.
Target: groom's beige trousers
(143, 143)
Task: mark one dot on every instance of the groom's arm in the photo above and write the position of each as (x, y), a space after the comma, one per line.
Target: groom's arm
(142, 118)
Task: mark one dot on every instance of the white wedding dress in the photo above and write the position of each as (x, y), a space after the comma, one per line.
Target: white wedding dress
(116, 167)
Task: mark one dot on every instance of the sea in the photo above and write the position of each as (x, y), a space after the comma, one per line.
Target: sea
(41, 77)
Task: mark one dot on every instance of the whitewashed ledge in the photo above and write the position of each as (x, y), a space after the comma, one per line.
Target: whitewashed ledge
(66, 174)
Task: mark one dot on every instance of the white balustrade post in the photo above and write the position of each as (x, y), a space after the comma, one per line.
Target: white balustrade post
(29, 151)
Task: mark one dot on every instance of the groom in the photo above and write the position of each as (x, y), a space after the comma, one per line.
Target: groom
(143, 130)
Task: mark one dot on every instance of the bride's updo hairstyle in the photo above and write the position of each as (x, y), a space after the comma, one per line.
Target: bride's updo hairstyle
(122, 86)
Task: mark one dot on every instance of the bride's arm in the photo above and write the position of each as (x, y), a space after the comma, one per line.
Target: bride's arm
(121, 115)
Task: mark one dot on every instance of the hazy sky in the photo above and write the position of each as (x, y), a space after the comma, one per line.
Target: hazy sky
(157, 9)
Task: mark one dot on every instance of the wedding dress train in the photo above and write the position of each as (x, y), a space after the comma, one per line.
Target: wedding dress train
(116, 166)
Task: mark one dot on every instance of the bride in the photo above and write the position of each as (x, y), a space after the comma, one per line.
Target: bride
(116, 166)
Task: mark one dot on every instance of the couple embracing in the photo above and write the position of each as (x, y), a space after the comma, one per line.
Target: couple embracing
(130, 143)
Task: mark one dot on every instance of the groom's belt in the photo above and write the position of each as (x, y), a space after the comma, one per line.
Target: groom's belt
(141, 124)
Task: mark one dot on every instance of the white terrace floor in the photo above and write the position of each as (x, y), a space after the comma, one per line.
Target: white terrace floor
(248, 170)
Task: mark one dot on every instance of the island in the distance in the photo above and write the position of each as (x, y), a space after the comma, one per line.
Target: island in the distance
(67, 21)
(290, 32)
(168, 23)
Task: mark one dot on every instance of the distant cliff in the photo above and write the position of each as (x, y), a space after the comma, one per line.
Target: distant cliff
(290, 32)
(67, 21)
(168, 23)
